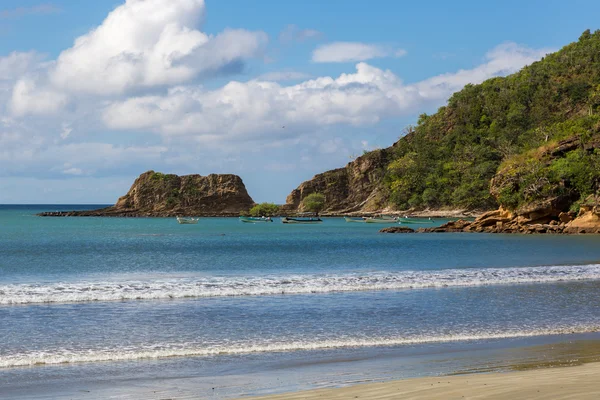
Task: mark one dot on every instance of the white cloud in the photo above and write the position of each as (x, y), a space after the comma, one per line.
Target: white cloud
(28, 99)
(147, 43)
(66, 130)
(279, 76)
(504, 59)
(17, 63)
(255, 110)
(352, 52)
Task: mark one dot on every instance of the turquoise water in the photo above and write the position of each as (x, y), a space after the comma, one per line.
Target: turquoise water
(93, 299)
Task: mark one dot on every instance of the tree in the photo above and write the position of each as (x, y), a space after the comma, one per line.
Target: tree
(314, 202)
(264, 210)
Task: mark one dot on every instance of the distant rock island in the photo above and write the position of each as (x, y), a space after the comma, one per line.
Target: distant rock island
(154, 194)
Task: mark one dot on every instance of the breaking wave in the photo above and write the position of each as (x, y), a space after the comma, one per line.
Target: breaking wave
(177, 288)
(64, 356)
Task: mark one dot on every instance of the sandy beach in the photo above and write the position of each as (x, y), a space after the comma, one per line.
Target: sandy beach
(578, 382)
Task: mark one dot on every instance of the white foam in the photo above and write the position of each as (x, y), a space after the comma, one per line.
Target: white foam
(64, 356)
(161, 288)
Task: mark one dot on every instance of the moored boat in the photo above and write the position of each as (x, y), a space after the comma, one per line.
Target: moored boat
(382, 219)
(187, 220)
(252, 220)
(402, 221)
(350, 219)
(301, 220)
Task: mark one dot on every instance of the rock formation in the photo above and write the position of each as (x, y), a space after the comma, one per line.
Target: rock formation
(354, 188)
(154, 194)
(397, 229)
(547, 217)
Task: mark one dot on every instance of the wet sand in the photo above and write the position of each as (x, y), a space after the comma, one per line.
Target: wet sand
(578, 382)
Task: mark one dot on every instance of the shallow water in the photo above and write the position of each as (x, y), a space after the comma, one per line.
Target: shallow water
(88, 300)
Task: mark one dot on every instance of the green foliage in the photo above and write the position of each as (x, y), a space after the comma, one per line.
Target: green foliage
(158, 176)
(264, 210)
(172, 201)
(450, 157)
(314, 202)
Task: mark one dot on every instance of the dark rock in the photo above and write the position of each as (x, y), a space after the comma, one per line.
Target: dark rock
(397, 229)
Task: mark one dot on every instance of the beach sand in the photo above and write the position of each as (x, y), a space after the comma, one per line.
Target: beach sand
(579, 382)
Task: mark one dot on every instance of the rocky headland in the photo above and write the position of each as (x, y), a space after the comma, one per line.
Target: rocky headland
(356, 188)
(154, 194)
(546, 217)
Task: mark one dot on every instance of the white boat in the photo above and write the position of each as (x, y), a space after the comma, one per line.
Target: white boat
(301, 220)
(187, 220)
(383, 219)
(350, 219)
(405, 220)
(252, 220)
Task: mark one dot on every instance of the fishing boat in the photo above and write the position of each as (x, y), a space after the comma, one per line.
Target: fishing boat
(301, 220)
(382, 219)
(252, 220)
(350, 219)
(187, 220)
(404, 220)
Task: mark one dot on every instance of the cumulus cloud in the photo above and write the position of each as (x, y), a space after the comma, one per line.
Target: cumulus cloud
(246, 111)
(17, 63)
(147, 43)
(27, 98)
(353, 51)
(279, 76)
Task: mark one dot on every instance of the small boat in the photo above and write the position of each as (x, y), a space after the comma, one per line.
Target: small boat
(350, 219)
(187, 220)
(382, 219)
(252, 220)
(405, 220)
(301, 220)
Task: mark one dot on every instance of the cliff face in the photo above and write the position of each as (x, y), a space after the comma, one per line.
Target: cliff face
(154, 194)
(357, 187)
(546, 218)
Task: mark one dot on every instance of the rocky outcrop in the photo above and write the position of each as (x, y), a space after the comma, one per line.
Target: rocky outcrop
(154, 194)
(354, 188)
(588, 220)
(397, 229)
(534, 219)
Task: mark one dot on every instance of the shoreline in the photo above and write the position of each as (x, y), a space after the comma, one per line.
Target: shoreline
(580, 381)
(437, 214)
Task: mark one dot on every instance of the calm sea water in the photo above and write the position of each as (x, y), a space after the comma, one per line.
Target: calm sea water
(88, 302)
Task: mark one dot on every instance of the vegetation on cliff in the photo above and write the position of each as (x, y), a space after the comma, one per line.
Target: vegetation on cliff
(514, 127)
(263, 210)
(314, 202)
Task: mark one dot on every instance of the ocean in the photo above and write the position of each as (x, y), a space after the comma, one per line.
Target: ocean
(148, 308)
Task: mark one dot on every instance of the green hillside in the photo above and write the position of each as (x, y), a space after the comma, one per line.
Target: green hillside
(508, 141)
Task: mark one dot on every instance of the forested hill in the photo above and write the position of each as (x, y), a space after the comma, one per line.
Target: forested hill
(511, 141)
(512, 125)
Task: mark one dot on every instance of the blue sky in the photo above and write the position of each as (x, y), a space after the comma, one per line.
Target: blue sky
(274, 91)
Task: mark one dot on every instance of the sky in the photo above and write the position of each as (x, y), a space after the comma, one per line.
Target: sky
(93, 93)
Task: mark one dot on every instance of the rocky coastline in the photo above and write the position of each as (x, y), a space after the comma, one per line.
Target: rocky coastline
(544, 218)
